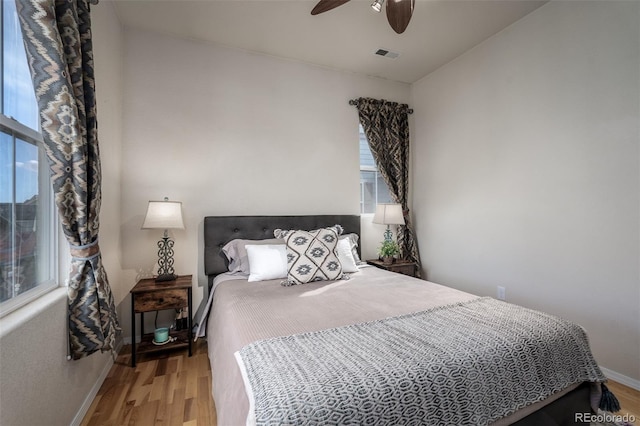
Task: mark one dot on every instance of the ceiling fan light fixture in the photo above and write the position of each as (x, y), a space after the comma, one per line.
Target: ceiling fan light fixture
(398, 11)
(377, 5)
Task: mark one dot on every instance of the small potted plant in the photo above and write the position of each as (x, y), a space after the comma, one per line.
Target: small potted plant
(388, 250)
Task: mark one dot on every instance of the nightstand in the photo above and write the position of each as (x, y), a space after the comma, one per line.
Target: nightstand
(405, 267)
(148, 295)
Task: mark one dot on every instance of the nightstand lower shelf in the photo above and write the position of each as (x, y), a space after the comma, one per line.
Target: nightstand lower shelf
(146, 345)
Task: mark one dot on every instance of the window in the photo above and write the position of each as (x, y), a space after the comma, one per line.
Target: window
(26, 208)
(373, 189)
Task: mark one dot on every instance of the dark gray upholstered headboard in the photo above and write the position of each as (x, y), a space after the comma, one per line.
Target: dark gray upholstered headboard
(219, 230)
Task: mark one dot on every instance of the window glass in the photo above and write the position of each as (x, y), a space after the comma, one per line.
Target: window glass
(25, 219)
(27, 238)
(6, 217)
(373, 189)
(18, 97)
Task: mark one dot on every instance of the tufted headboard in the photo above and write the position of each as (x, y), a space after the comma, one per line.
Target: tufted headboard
(219, 230)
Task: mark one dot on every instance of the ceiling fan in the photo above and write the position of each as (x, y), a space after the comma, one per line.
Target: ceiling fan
(398, 11)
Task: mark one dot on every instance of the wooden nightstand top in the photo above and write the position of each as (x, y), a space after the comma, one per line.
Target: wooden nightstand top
(396, 262)
(150, 284)
(405, 267)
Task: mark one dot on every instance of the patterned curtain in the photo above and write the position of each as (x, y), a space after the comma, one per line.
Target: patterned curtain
(386, 125)
(57, 38)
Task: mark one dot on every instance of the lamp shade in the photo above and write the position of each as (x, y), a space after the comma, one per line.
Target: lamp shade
(163, 215)
(389, 214)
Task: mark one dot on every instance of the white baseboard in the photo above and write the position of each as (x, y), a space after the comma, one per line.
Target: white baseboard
(84, 408)
(621, 378)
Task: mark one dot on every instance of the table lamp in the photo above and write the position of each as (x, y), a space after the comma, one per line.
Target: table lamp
(388, 214)
(164, 215)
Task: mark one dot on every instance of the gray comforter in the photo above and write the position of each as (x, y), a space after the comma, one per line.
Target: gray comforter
(470, 363)
(243, 312)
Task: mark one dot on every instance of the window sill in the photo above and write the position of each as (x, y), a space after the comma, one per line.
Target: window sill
(20, 316)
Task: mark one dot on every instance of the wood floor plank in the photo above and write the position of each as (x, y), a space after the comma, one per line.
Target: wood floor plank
(161, 369)
(109, 398)
(145, 414)
(157, 388)
(204, 409)
(190, 410)
(139, 394)
(169, 388)
(172, 365)
(188, 377)
(163, 415)
(124, 414)
(177, 409)
(147, 372)
(92, 409)
(120, 396)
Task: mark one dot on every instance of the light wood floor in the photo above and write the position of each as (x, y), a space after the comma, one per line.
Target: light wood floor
(170, 389)
(174, 389)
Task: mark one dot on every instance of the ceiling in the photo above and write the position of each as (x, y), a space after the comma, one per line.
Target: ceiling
(344, 38)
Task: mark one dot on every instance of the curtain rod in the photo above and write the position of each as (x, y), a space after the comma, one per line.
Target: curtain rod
(354, 102)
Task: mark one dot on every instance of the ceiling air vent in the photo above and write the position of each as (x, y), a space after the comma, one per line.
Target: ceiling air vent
(387, 53)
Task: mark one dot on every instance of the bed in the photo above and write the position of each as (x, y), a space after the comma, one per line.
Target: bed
(251, 326)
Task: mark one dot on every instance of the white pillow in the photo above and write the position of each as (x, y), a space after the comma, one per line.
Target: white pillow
(267, 262)
(353, 240)
(346, 256)
(236, 253)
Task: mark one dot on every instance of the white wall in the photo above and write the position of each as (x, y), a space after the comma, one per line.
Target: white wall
(38, 386)
(526, 159)
(229, 132)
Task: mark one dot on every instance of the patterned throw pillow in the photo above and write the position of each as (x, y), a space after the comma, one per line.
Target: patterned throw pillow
(311, 255)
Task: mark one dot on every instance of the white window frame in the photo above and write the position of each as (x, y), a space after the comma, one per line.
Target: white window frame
(49, 222)
(17, 130)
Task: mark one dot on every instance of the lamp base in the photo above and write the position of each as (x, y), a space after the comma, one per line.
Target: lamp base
(166, 277)
(388, 234)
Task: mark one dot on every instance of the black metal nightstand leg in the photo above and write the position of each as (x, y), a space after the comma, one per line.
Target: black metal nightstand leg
(133, 332)
(190, 320)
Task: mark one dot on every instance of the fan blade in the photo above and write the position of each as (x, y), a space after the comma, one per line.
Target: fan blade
(325, 5)
(399, 14)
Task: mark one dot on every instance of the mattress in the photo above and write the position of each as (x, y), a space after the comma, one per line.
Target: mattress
(243, 312)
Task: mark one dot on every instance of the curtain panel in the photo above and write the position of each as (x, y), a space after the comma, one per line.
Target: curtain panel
(57, 38)
(386, 125)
